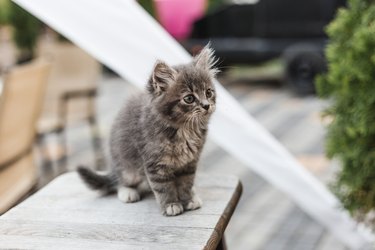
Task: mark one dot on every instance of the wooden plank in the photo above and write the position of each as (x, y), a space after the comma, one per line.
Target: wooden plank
(328, 242)
(123, 217)
(95, 202)
(67, 209)
(46, 243)
(133, 235)
(291, 232)
(256, 221)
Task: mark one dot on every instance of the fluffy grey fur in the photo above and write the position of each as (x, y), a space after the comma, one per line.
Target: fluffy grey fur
(158, 136)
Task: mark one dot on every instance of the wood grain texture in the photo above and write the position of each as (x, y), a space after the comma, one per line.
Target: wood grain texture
(66, 215)
(20, 105)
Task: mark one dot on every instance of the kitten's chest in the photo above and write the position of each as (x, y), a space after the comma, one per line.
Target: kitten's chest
(184, 149)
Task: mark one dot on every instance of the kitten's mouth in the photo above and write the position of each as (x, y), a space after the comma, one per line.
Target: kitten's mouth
(207, 112)
(202, 113)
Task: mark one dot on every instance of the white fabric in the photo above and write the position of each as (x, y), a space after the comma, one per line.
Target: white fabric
(120, 34)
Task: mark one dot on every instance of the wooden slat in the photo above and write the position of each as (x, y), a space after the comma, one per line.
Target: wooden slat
(15, 181)
(123, 217)
(23, 90)
(47, 243)
(132, 235)
(66, 211)
(20, 105)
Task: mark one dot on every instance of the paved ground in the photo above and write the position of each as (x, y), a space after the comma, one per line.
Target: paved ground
(265, 218)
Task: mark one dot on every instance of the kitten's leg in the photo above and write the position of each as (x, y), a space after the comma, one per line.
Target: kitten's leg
(128, 189)
(163, 186)
(144, 188)
(128, 194)
(186, 192)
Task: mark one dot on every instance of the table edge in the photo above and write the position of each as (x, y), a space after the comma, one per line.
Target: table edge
(222, 223)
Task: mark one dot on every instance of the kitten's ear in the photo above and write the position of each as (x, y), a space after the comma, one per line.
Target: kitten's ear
(206, 60)
(162, 76)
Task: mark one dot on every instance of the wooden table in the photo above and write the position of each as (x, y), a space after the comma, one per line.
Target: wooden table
(66, 215)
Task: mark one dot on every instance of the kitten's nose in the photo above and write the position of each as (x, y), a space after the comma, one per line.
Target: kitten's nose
(206, 106)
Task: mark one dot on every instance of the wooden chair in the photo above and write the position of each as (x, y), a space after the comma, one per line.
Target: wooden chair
(20, 106)
(8, 50)
(71, 92)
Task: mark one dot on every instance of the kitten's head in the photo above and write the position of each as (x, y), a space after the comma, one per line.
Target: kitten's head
(186, 93)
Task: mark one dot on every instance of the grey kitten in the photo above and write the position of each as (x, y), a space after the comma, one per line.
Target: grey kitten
(157, 138)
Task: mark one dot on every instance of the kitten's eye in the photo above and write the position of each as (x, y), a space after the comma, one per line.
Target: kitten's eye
(209, 93)
(189, 99)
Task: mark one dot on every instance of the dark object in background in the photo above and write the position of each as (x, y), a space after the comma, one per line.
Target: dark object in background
(26, 31)
(254, 33)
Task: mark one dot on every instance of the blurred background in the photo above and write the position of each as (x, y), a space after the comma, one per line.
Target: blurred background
(270, 53)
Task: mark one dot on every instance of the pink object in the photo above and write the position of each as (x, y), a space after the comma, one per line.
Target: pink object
(177, 16)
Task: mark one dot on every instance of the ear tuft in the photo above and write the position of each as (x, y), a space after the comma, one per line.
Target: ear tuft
(162, 76)
(206, 60)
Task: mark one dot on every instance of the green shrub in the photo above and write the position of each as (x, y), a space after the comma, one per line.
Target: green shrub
(350, 85)
(25, 30)
(148, 5)
(4, 12)
(214, 4)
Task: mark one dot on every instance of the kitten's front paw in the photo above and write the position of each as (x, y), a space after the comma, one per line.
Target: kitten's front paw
(173, 209)
(128, 195)
(195, 203)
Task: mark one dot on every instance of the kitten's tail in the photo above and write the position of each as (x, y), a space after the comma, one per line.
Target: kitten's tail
(105, 183)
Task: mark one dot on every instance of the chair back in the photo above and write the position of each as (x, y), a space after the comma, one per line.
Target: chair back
(20, 106)
(72, 65)
(72, 70)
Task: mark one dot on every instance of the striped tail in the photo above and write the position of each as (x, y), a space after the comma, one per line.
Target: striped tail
(105, 183)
